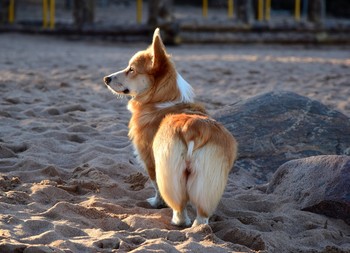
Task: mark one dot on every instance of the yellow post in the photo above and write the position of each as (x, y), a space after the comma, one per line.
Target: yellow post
(45, 13)
(205, 8)
(52, 14)
(297, 10)
(230, 9)
(11, 11)
(139, 11)
(268, 10)
(260, 10)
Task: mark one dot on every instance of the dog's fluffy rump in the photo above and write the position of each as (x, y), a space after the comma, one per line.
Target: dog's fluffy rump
(187, 154)
(193, 156)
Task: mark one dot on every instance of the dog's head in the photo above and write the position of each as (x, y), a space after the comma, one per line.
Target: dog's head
(148, 74)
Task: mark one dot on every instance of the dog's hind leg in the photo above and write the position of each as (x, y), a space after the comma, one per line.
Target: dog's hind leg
(207, 181)
(171, 175)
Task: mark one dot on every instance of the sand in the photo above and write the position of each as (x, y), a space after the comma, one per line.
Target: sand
(69, 181)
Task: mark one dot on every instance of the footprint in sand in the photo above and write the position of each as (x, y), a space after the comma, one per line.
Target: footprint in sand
(108, 243)
(73, 108)
(137, 181)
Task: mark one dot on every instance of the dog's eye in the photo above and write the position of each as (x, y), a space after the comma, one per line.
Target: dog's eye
(131, 70)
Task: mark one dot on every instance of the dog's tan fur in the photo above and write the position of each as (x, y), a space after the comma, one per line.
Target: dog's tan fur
(187, 154)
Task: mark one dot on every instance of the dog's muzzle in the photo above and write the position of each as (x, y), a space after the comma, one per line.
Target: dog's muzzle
(108, 80)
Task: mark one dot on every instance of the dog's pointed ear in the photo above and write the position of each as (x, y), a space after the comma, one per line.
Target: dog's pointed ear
(158, 49)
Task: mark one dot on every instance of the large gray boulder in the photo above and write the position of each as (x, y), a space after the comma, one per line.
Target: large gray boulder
(279, 126)
(319, 184)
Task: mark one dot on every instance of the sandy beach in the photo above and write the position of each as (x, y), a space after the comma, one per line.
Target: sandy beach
(69, 181)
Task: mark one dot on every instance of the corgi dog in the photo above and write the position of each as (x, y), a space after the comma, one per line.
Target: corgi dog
(187, 154)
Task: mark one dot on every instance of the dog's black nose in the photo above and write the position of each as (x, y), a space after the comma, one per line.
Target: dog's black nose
(107, 79)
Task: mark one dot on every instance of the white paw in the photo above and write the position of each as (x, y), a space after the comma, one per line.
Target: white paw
(156, 202)
(200, 220)
(181, 223)
(181, 219)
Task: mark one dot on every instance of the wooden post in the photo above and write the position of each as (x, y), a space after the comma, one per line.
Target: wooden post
(45, 4)
(268, 10)
(205, 8)
(52, 14)
(297, 10)
(260, 10)
(139, 11)
(230, 8)
(11, 17)
(49, 14)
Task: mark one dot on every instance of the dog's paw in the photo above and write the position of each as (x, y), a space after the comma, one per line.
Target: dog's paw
(156, 202)
(180, 219)
(200, 220)
(182, 223)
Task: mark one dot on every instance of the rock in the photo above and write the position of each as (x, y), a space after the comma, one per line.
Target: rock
(107, 243)
(7, 183)
(249, 238)
(12, 248)
(279, 126)
(42, 249)
(319, 184)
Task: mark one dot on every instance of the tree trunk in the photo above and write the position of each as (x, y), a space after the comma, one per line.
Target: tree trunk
(160, 12)
(83, 12)
(244, 11)
(317, 11)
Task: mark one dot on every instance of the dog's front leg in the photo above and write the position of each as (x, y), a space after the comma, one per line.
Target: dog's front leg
(156, 201)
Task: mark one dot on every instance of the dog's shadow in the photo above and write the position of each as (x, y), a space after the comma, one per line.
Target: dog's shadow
(147, 205)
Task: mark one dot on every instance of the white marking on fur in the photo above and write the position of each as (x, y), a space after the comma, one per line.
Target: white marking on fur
(186, 91)
(185, 88)
(190, 147)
